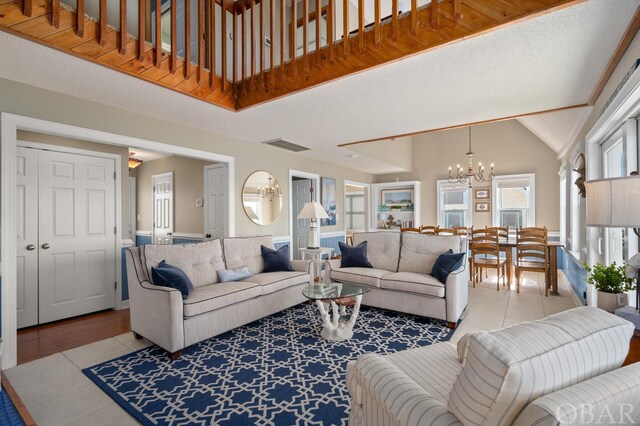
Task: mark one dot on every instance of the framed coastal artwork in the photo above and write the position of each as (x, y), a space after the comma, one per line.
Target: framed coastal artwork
(482, 206)
(328, 198)
(482, 193)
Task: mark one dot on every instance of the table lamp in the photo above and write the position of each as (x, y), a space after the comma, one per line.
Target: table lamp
(313, 211)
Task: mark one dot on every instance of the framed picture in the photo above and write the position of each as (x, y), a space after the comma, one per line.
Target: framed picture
(328, 198)
(396, 197)
(482, 206)
(482, 193)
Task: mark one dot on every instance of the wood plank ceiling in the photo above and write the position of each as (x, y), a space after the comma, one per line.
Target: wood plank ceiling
(393, 38)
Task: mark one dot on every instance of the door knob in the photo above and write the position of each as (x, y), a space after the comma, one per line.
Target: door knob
(31, 247)
(46, 246)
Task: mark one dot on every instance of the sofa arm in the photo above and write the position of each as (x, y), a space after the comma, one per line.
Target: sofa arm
(156, 312)
(302, 266)
(379, 388)
(457, 292)
(330, 265)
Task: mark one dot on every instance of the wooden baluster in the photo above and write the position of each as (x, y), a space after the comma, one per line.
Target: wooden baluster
(158, 33)
(174, 36)
(261, 42)
(212, 45)
(457, 9)
(345, 28)
(200, 40)
(414, 17)
(394, 20)
(272, 47)
(318, 21)
(102, 38)
(235, 44)
(282, 24)
(27, 7)
(293, 47)
(253, 44)
(376, 27)
(330, 32)
(55, 13)
(435, 18)
(223, 39)
(141, 29)
(123, 27)
(187, 39)
(244, 44)
(79, 17)
(361, 25)
(305, 34)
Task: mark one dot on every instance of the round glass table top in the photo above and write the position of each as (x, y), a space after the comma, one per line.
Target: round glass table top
(333, 291)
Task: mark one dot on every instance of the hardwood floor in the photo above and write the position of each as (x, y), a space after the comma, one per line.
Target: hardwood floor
(44, 340)
(634, 349)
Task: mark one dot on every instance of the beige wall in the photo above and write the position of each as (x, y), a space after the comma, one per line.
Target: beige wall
(91, 146)
(508, 144)
(30, 101)
(188, 184)
(397, 151)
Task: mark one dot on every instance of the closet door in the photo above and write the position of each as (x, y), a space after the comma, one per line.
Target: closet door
(27, 236)
(77, 235)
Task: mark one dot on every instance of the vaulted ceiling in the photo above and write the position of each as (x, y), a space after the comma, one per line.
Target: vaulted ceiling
(545, 63)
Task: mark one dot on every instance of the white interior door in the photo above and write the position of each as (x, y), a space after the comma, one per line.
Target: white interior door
(301, 194)
(27, 236)
(215, 202)
(133, 209)
(163, 208)
(77, 235)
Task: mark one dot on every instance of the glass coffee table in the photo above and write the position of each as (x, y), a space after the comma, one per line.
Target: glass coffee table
(332, 300)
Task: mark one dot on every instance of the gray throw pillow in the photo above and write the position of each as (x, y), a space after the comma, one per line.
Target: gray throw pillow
(238, 274)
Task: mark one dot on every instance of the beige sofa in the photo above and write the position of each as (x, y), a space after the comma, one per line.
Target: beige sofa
(564, 369)
(160, 315)
(400, 280)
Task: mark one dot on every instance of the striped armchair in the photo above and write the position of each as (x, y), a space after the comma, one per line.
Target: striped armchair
(559, 370)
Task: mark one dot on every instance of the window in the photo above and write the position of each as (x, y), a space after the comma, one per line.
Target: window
(354, 211)
(453, 205)
(563, 203)
(514, 201)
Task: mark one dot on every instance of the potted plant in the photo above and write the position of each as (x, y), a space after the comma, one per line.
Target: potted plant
(609, 281)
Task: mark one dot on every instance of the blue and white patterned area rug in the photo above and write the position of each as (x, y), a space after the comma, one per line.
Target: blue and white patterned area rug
(275, 371)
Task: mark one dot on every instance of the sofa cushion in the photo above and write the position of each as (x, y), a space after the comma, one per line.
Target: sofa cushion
(383, 248)
(246, 252)
(273, 281)
(411, 282)
(507, 369)
(445, 264)
(419, 252)
(200, 261)
(166, 275)
(354, 257)
(276, 260)
(366, 276)
(211, 297)
(238, 274)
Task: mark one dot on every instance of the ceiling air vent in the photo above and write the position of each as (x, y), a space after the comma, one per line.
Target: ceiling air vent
(289, 146)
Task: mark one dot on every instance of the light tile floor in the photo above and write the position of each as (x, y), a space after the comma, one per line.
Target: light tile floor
(56, 392)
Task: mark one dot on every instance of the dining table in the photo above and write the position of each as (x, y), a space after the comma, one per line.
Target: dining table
(508, 244)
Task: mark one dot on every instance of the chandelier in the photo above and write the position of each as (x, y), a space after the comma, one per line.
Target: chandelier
(269, 191)
(467, 176)
(133, 162)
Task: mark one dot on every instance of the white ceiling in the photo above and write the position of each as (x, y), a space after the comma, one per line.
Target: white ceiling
(545, 63)
(557, 129)
(144, 155)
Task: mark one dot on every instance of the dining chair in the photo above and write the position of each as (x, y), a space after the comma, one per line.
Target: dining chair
(410, 230)
(485, 254)
(532, 254)
(461, 230)
(503, 236)
(446, 231)
(431, 230)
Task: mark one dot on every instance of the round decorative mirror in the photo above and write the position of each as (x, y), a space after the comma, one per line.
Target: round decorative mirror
(262, 198)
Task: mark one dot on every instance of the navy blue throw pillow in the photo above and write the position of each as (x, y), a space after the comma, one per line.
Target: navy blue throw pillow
(166, 275)
(276, 260)
(354, 257)
(445, 264)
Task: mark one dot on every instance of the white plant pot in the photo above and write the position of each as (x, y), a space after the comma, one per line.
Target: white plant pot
(608, 301)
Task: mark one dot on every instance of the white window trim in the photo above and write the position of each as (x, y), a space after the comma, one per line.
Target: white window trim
(531, 217)
(440, 185)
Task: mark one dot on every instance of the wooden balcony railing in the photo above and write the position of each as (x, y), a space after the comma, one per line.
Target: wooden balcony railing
(239, 54)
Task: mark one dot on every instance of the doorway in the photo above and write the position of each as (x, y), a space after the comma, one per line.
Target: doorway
(65, 234)
(162, 231)
(303, 187)
(356, 208)
(215, 199)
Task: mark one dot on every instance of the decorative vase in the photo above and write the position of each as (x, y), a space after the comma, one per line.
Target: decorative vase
(608, 301)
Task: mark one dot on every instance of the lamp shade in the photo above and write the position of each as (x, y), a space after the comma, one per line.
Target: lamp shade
(313, 210)
(613, 203)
